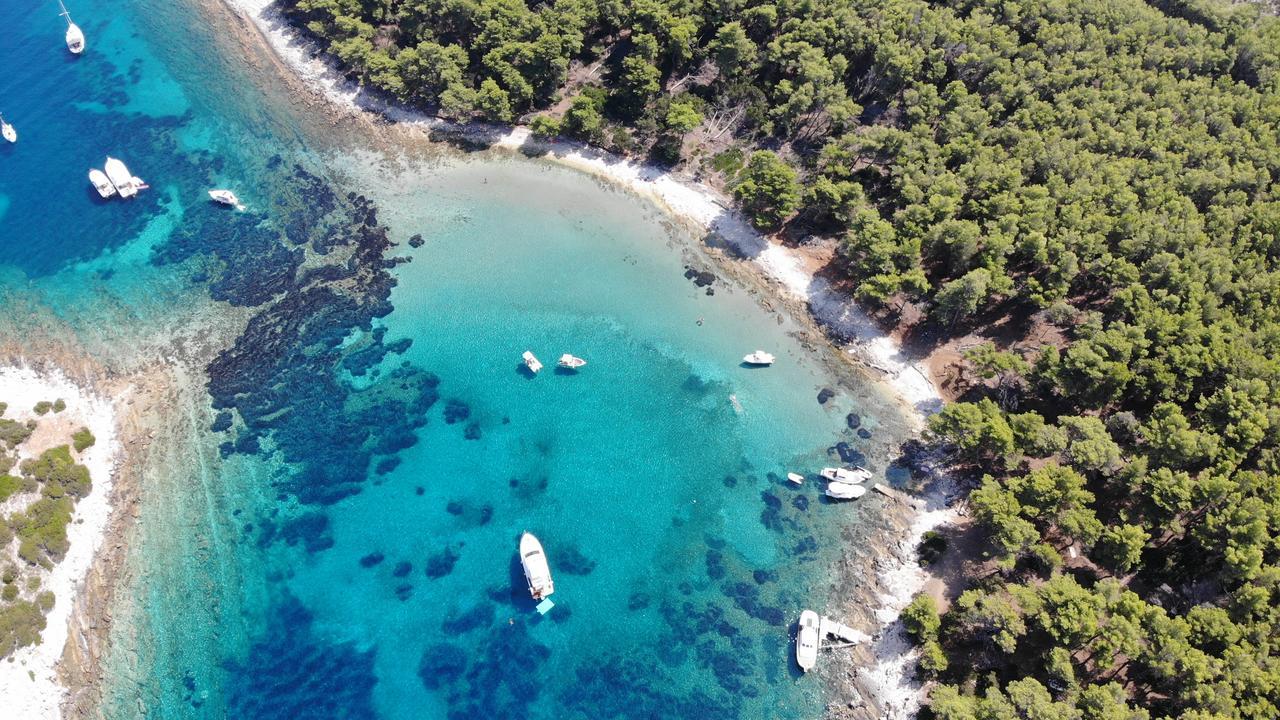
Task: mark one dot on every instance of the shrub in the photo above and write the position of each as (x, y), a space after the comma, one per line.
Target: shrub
(932, 545)
(12, 433)
(45, 600)
(60, 474)
(42, 531)
(932, 659)
(59, 405)
(921, 618)
(83, 439)
(10, 593)
(544, 126)
(20, 625)
(8, 486)
(43, 407)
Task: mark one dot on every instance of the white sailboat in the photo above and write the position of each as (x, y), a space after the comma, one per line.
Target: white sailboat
(536, 570)
(75, 37)
(101, 183)
(570, 362)
(7, 131)
(807, 640)
(124, 181)
(226, 197)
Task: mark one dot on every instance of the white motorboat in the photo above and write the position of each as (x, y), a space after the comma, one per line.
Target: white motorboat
(101, 183)
(758, 357)
(845, 491)
(226, 197)
(570, 362)
(75, 37)
(8, 131)
(850, 476)
(531, 362)
(807, 640)
(123, 180)
(536, 570)
(796, 478)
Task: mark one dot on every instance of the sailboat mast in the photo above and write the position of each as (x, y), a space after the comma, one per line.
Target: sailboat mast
(64, 12)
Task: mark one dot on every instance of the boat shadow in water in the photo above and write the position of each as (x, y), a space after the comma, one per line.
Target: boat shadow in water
(520, 598)
(524, 371)
(565, 371)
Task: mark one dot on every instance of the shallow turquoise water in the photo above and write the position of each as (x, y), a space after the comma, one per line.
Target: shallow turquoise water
(328, 526)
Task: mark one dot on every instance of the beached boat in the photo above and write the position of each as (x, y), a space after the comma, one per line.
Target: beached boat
(851, 476)
(531, 362)
(845, 491)
(807, 640)
(75, 37)
(226, 197)
(570, 362)
(8, 131)
(536, 570)
(796, 478)
(101, 183)
(123, 180)
(758, 357)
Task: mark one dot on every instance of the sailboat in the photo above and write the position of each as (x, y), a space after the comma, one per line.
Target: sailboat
(75, 38)
(7, 131)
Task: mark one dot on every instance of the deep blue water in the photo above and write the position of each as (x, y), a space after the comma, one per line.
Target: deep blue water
(328, 527)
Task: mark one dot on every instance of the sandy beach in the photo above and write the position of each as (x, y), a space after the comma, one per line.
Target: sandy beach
(885, 668)
(29, 680)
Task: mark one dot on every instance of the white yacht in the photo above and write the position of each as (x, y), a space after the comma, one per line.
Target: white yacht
(101, 183)
(7, 131)
(845, 491)
(758, 357)
(850, 476)
(536, 570)
(75, 38)
(570, 362)
(123, 180)
(226, 197)
(531, 362)
(807, 640)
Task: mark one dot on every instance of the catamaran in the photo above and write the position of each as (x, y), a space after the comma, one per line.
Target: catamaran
(75, 38)
(536, 570)
(807, 640)
(7, 131)
(101, 183)
(570, 362)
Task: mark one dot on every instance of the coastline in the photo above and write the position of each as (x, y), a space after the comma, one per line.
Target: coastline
(31, 680)
(884, 666)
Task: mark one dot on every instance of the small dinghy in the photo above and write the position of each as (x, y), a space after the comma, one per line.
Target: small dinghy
(8, 131)
(101, 183)
(845, 491)
(570, 362)
(531, 362)
(807, 640)
(226, 197)
(849, 476)
(758, 357)
(536, 570)
(75, 37)
(796, 478)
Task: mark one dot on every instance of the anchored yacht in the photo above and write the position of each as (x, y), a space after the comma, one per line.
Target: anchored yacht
(536, 570)
(75, 37)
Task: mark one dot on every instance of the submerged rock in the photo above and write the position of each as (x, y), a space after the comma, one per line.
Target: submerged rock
(853, 420)
(825, 394)
(441, 564)
(373, 558)
(416, 241)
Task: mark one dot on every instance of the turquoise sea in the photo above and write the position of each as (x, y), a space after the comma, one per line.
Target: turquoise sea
(328, 521)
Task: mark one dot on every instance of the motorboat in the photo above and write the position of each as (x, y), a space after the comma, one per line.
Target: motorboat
(75, 37)
(531, 362)
(101, 183)
(807, 640)
(850, 476)
(536, 570)
(226, 197)
(758, 357)
(845, 491)
(570, 362)
(7, 131)
(796, 478)
(125, 182)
